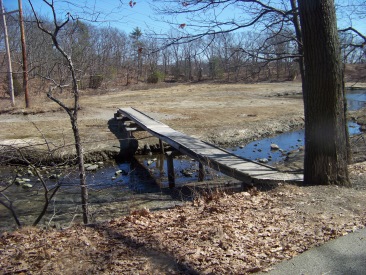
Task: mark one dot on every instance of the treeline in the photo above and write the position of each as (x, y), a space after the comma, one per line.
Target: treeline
(108, 57)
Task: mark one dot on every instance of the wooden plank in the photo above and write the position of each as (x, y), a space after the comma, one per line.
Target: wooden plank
(208, 154)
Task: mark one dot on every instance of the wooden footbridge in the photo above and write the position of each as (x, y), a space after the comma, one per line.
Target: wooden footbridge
(245, 170)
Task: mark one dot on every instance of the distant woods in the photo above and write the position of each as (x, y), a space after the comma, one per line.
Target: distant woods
(107, 57)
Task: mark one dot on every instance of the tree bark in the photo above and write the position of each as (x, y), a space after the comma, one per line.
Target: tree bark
(326, 133)
(24, 56)
(82, 175)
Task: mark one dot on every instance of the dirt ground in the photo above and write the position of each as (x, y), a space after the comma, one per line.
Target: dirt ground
(231, 113)
(224, 114)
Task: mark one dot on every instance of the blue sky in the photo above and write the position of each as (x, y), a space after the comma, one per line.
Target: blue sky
(114, 13)
(122, 16)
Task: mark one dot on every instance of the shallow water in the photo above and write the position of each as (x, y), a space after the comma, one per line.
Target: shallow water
(294, 140)
(140, 183)
(287, 142)
(356, 99)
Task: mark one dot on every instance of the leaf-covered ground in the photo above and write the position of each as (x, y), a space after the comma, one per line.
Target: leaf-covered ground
(218, 233)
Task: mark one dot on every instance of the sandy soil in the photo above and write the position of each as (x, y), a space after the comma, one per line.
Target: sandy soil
(222, 114)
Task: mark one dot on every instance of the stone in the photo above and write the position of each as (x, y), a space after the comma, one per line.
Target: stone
(19, 181)
(187, 173)
(30, 173)
(52, 177)
(147, 149)
(151, 161)
(263, 160)
(92, 167)
(274, 146)
(86, 165)
(27, 185)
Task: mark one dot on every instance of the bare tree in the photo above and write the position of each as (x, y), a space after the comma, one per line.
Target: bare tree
(71, 111)
(329, 163)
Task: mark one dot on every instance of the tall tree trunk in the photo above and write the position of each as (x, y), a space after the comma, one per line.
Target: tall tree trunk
(326, 134)
(82, 175)
(24, 55)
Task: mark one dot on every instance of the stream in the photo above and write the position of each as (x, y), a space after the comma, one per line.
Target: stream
(287, 142)
(116, 189)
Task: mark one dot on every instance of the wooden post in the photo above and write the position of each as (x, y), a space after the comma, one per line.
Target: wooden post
(161, 144)
(201, 172)
(24, 55)
(170, 164)
(7, 49)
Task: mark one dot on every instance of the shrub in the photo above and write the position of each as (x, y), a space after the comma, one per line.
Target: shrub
(155, 77)
(95, 81)
(17, 85)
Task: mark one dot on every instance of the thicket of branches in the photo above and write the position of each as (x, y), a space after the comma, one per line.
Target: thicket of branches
(104, 55)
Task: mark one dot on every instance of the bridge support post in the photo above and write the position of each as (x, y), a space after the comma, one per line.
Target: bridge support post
(170, 164)
(161, 144)
(127, 143)
(201, 172)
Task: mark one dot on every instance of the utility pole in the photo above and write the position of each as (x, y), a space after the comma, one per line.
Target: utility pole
(7, 49)
(24, 55)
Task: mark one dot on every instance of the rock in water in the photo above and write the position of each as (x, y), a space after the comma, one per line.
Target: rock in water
(274, 147)
(27, 185)
(92, 167)
(117, 172)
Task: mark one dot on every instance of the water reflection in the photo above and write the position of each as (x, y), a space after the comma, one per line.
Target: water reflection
(356, 99)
